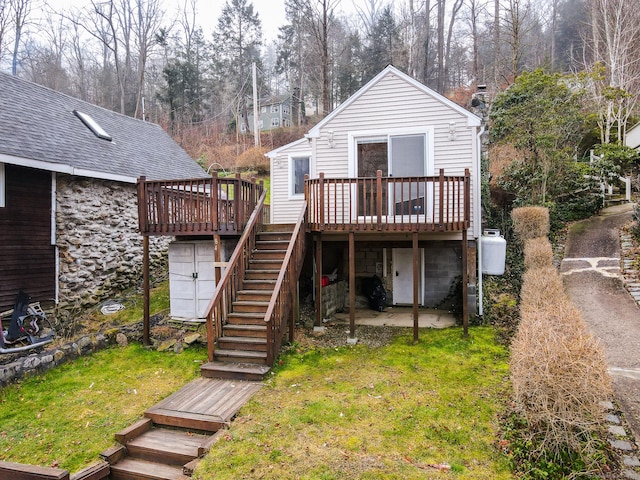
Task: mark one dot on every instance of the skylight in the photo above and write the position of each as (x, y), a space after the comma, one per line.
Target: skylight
(92, 125)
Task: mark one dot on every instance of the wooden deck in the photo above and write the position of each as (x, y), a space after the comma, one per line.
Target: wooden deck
(206, 404)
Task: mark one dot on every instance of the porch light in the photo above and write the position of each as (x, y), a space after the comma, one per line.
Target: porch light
(332, 144)
(452, 131)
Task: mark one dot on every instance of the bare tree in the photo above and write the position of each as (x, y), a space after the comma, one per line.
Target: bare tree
(615, 39)
(20, 11)
(318, 16)
(146, 23)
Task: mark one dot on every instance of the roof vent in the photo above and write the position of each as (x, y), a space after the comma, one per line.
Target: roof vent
(92, 125)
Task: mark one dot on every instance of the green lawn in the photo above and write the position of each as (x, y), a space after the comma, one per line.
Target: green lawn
(404, 411)
(67, 416)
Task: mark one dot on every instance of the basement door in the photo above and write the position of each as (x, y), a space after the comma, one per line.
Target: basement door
(191, 278)
(403, 276)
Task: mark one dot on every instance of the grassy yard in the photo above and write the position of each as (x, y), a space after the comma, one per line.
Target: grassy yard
(68, 415)
(402, 411)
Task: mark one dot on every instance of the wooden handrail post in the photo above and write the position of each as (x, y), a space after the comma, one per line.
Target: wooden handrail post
(321, 198)
(467, 199)
(441, 209)
(214, 201)
(306, 196)
(143, 206)
(379, 198)
(237, 200)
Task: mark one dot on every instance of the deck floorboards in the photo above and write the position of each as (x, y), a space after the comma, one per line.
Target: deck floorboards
(218, 399)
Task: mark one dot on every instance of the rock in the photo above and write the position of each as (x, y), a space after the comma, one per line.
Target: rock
(167, 344)
(121, 339)
(191, 338)
(178, 348)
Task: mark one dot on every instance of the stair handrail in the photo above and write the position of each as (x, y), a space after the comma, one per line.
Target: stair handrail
(281, 297)
(232, 277)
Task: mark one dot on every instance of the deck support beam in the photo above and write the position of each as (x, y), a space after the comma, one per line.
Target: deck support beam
(416, 283)
(318, 280)
(145, 288)
(352, 285)
(465, 284)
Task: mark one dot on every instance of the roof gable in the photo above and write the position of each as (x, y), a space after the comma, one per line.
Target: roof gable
(38, 127)
(472, 120)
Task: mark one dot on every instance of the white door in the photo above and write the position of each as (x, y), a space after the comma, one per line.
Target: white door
(191, 278)
(403, 276)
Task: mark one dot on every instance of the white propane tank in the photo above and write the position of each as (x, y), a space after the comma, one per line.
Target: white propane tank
(494, 252)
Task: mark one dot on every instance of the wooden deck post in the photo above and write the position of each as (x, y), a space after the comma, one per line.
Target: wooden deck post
(145, 287)
(352, 285)
(416, 284)
(465, 285)
(318, 280)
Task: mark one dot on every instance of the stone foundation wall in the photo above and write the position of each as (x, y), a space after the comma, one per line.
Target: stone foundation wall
(99, 246)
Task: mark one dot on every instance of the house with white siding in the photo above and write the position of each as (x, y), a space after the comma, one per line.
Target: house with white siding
(390, 181)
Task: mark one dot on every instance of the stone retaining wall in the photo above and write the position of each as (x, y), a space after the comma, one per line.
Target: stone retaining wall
(99, 246)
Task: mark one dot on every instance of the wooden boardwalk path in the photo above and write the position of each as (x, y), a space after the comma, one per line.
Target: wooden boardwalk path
(205, 404)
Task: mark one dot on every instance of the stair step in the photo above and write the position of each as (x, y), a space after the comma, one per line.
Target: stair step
(268, 254)
(234, 371)
(261, 274)
(131, 468)
(240, 356)
(262, 264)
(186, 420)
(243, 343)
(173, 447)
(254, 295)
(250, 306)
(273, 244)
(260, 284)
(245, 318)
(233, 330)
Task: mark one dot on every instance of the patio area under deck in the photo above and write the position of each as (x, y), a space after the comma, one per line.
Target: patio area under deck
(392, 211)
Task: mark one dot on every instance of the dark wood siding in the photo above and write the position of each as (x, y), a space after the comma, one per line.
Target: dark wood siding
(27, 258)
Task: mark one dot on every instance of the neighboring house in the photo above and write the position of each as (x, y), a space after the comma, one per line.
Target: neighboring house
(632, 138)
(274, 112)
(411, 135)
(68, 212)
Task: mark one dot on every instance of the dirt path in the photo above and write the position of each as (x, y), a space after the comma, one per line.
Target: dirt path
(592, 274)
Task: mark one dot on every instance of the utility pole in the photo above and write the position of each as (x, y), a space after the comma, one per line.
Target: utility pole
(256, 109)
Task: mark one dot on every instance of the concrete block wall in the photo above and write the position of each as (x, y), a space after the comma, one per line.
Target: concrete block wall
(443, 264)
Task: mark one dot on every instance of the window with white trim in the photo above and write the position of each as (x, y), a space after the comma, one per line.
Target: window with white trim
(274, 108)
(299, 167)
(275, 122)
(3, 184)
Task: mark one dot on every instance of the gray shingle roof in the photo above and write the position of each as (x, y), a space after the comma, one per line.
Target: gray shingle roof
(38, 124)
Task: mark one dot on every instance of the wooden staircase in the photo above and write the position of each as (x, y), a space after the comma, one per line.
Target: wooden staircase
(175, 433)
(241, 351)
(155, 452)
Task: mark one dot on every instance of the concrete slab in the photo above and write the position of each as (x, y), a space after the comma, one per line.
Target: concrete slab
(399, 317)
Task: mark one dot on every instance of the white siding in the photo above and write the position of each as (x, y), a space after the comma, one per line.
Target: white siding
(283, 208)
(391, 104)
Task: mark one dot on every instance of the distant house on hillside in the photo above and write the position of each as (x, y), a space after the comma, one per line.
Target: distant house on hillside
(274, 112)
(68, 212)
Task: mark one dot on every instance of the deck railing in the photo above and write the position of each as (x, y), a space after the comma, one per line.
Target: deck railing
(232, 277)
(426, 204)
(279, 313)
(200, 206)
